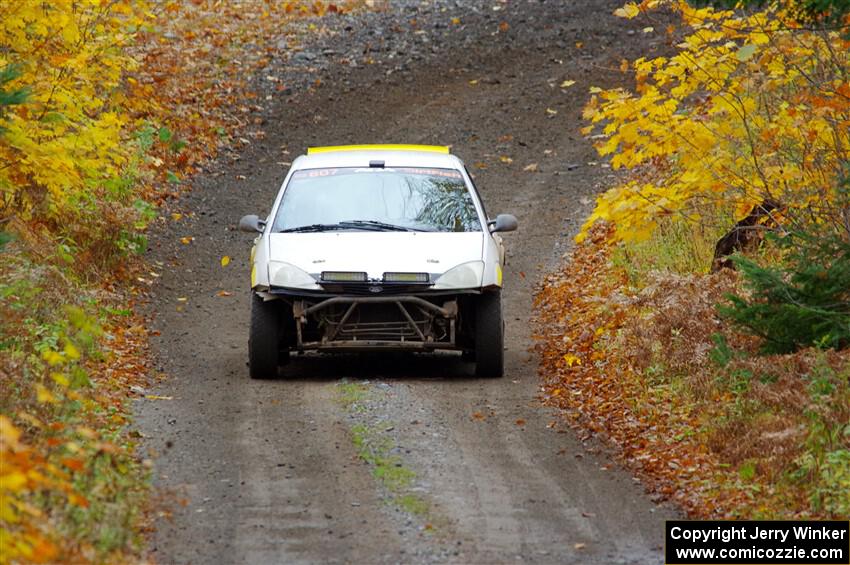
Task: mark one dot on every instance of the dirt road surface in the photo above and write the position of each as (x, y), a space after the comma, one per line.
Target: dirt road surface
(270, 471)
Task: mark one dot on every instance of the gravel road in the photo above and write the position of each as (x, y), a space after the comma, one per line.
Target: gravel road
(271, 471)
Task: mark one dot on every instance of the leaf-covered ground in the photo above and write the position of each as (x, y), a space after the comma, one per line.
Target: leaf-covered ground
(647, 364)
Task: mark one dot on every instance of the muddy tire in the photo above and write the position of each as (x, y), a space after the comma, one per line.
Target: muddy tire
(264, 339)
(489, 336)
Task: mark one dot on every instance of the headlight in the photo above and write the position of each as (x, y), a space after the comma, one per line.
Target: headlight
(284, 274)
(465, 275)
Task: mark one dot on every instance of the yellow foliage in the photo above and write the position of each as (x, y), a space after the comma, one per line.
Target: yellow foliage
(66, 138)
(751, 108)
(20, 539)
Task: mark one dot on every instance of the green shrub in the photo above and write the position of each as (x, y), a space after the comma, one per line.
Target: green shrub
(803, 302)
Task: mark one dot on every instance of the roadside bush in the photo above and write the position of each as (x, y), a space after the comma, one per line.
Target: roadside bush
(803, 302)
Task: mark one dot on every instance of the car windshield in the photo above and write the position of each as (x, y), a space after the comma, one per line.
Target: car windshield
(377, 199)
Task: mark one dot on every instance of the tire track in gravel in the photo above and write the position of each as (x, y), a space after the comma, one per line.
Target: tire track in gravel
(268, 469)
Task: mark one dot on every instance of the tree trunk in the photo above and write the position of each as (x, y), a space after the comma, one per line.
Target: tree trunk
(742, 236)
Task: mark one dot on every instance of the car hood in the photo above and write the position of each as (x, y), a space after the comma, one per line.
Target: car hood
(376, 252)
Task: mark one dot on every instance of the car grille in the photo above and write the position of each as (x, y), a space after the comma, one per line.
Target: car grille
(374, 289)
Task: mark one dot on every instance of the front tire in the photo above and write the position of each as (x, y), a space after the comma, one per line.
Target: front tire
(489, 336)
(264, 338)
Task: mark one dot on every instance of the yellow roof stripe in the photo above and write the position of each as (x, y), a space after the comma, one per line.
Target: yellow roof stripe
(381, 147)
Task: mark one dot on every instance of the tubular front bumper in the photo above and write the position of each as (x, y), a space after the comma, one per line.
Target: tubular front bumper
(414, 324)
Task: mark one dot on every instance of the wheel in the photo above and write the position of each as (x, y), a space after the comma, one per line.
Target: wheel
(264, 338)
(489, 336)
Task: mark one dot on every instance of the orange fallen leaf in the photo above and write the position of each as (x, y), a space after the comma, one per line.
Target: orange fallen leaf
(223, 293)
(78, 500)
(520, 422)
(73, 463)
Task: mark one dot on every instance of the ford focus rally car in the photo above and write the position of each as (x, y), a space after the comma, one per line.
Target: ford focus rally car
(377, 247)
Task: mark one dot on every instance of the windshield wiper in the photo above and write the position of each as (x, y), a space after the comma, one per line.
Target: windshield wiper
(313, 227)
(366, 225)
(376, 225)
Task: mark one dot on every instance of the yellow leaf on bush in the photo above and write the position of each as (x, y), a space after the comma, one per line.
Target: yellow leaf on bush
(71, 352)
(53, 358)
(43, 395)
(60, 379)
(14, 481)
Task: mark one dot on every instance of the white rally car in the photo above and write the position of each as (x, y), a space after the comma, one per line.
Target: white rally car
(371, 247)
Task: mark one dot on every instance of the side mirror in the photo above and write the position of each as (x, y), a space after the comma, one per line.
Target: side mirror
(503, 222)
(251, 223)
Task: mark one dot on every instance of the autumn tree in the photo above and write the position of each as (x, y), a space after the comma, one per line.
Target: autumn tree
(752, 112)
(64, 142)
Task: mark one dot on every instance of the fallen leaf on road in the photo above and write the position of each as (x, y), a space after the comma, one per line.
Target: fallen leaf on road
(223, 293)
(628, 11)
(186, 240)
(505, 159)
(158, 397)
(520, 422)
(567, 83)
(478, 416)
(551, 112)
(225, 261)
(504, 26)
(579, 545)
(532, 168)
